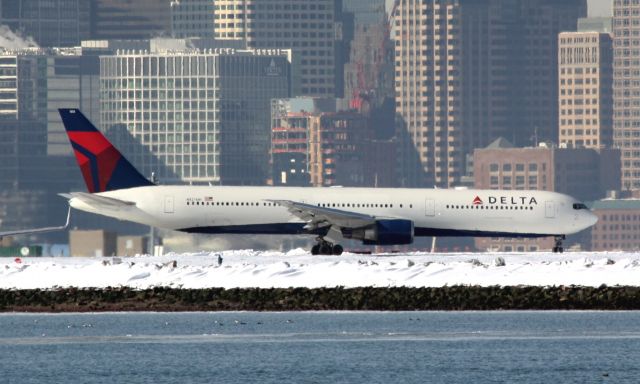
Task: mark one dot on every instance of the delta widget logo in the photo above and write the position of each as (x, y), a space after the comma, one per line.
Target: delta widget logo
(477, 201)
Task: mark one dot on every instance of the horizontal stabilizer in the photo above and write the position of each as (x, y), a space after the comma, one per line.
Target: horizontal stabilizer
(99, 202)
(38, 230)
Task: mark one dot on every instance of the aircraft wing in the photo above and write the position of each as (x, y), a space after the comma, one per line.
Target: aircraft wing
(100, 202)
(37, 230)
(318, 217)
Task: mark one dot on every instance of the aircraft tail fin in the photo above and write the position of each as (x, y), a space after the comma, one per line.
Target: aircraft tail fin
(102, 165)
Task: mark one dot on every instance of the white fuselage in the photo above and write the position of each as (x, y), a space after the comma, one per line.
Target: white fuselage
(208, 209)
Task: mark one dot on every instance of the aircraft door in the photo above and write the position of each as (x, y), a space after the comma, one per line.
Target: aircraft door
(549, 209)
(168, 204)
(430, 207)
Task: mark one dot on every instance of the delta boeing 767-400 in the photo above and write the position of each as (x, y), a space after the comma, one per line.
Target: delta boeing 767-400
(375, 216)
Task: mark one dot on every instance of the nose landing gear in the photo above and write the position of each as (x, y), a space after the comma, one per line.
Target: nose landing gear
(557, 248)
(325, 247)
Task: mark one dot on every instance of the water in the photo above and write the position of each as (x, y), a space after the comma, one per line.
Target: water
(321, 347)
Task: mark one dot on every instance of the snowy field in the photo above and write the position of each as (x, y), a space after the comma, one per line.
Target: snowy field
(299, 269)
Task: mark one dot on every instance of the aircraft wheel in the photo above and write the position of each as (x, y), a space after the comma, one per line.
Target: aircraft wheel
(558, 244)
(325, 249)
(315, 250)
(337, 249)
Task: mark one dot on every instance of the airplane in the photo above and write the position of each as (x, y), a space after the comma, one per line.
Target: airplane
(375, 216)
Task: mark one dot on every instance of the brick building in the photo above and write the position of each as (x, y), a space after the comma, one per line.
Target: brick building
(618, 225)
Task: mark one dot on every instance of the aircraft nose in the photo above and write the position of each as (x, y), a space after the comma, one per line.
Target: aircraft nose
(592, 218)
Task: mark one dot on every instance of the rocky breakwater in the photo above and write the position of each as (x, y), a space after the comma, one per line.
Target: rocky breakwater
(303, 299)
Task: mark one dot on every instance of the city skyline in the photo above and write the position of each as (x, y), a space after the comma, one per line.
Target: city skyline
(188, 93)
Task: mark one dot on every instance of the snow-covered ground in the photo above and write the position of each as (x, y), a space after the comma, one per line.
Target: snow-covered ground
(299, 269)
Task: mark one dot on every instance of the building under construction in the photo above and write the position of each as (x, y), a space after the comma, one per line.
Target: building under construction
(369, 64)
(313, 145)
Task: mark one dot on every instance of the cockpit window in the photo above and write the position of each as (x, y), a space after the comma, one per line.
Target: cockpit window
(579, 206)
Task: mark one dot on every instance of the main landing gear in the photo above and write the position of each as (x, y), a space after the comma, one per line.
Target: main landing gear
(325, 247)
(557, 248)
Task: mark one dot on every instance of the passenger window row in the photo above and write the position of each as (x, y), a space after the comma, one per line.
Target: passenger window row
(358, 205)
(266, 204)
(492, 207)
(232, 203)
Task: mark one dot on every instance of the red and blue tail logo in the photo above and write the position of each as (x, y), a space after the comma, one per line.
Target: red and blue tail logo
(102, 165)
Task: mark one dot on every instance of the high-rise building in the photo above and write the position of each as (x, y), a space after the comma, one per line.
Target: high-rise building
(29, 178)
(536, 89)
(19, 88)
(51, 23)
(129, 19)
(626, 88)
(468, 72)
(195, 116)
(192, 18)
(586, 89)
(73, 80)
(310, 28)
(48, 79)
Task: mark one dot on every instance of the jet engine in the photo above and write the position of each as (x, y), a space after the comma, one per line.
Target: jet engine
(383, 232)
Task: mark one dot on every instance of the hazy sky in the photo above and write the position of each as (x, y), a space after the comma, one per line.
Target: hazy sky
(600, 7)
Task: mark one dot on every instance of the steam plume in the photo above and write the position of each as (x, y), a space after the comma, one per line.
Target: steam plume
(12, 40)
